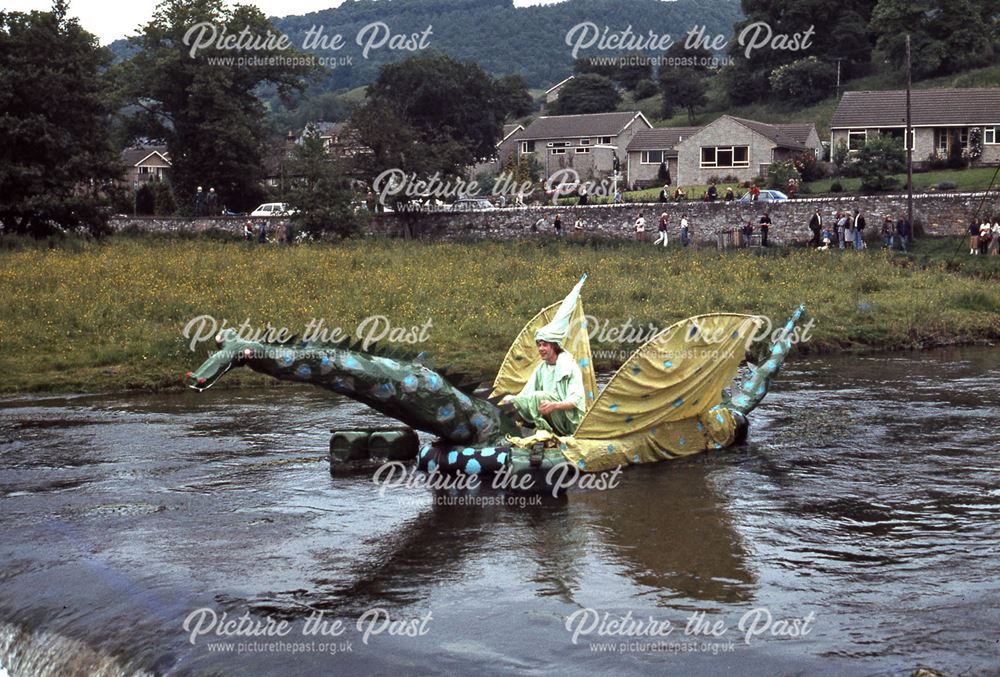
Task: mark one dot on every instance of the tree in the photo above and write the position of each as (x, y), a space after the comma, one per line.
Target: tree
(56, 161)
(877, 160)
(587, 94)
(836, 32)
(684, 84)
(321, 192)
(207, 111)
(945, 37)
(804, 81)
(430, 114)
(684, 87)
(514, 96)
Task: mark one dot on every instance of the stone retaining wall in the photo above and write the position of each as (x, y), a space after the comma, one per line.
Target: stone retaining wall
(938, 214)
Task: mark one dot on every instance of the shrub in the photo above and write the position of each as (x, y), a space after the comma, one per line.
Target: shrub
(836, 187)
(947, 185)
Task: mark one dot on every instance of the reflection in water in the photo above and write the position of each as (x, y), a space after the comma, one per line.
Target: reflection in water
(867, 495)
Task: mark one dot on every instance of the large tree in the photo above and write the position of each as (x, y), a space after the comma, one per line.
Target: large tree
(321, 191)
(945, 37)
(839, 34)
(431, 114)
(204, 103)
(587, 94)
(55, 155)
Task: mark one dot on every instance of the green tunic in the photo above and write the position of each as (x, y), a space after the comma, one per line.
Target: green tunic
(557, 382)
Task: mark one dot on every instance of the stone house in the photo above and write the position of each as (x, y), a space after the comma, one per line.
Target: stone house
(145, 163)
(589, 144)
(727, 146)
(942, 119)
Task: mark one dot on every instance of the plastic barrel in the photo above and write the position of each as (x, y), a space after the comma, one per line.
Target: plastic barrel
(349, 445)
(395, 445)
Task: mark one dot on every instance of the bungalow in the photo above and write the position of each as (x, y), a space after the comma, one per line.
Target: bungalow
(649, 149)
(728, 146)
(942, 120)
(589, 144)
(145, 163)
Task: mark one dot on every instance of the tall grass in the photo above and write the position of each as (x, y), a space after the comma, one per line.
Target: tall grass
(110, 315)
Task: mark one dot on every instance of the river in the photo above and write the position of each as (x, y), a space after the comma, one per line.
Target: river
(858, 532)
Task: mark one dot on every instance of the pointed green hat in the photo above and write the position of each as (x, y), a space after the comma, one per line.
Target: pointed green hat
(556, 330)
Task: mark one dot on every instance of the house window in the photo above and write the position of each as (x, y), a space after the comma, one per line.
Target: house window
(990, 135)
(651, 157)
(558, 151)
(725, 157)
(584, 142)
(606, 140)
(582, 150)
(527, 146)
(857, 139)
(897, 133)
(558, 144)
(144, 170)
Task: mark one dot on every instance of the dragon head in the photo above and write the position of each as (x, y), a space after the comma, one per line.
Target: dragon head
(233, 351)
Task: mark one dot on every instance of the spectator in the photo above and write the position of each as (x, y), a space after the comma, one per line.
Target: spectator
(729, 194)
(973, 238)
(578, 228)
(640, 227)
(279, 233)
(713, 193)
(557, 224)
(199, 202)
(985, 236)
(746, 233)
(212, 202)
(765, 225)
(618, 197)
(887, 232)
(289, 234)
(248, 231)
(679, 194)
(661, 230)
(841, 229)
(262, 232)
(754, 192)
(685, 232)
(858, 225)
(664, 193)
(816, 226)
(995, 238)
(903, 230)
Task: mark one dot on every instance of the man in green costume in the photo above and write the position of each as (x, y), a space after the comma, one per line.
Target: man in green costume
(553, 398)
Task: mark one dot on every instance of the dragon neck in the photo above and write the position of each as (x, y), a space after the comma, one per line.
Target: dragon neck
(402, 389)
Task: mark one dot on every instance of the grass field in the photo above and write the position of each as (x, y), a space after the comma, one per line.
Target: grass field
(102, 316)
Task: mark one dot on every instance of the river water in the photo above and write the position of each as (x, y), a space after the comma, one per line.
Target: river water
(858, 532)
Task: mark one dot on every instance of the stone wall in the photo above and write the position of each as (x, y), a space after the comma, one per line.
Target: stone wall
(939, 214)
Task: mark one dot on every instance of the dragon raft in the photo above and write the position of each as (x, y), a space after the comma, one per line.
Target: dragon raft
(673, 397)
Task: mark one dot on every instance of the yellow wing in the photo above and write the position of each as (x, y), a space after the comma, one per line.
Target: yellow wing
(522, 356)
(678, 374)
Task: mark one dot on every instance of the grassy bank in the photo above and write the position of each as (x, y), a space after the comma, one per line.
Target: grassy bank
(109, 316)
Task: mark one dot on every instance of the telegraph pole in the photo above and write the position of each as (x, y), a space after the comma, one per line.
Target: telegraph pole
(909, 144)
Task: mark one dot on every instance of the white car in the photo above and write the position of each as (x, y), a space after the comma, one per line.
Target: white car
(273, 209)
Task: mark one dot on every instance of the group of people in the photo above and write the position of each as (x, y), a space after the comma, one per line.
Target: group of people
(662, 237)
(206, 204)
(711, 194)
(747, 229)
(984, 238)
(845, 230)
(284, 234)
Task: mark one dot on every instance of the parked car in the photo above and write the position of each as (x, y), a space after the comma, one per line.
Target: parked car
(766, 196)
(472, 204)
(273, 209)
